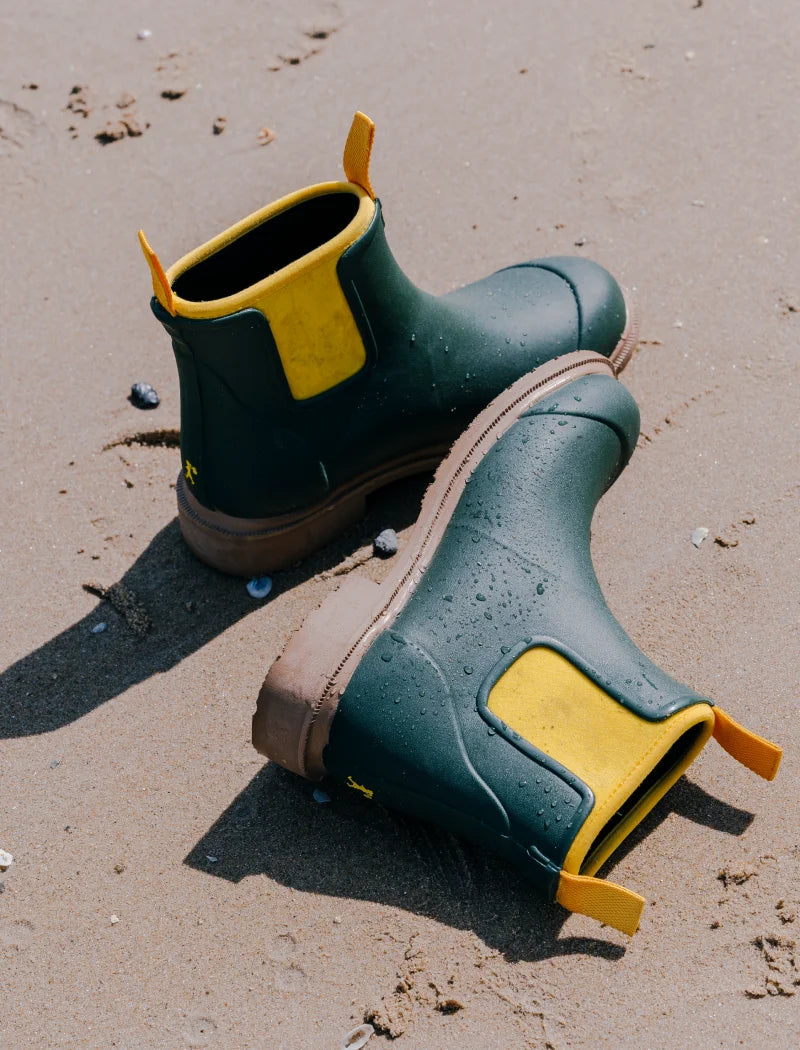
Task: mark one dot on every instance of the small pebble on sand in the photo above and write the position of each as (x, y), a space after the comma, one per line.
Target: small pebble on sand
(6, 860)
(385, 543)
(114, 920)
(143, 396)
(144, 34)
(259, 586)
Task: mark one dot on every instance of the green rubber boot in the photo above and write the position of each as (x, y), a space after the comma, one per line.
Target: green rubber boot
(485, 685)
(312, 371)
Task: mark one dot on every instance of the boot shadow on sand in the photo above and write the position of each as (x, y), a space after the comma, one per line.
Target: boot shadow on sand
(187, 603)
(354, 849)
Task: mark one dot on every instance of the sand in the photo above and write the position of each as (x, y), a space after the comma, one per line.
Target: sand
(662, 140)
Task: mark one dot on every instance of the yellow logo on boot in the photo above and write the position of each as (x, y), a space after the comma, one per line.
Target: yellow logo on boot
(366, 792)
(190, 472)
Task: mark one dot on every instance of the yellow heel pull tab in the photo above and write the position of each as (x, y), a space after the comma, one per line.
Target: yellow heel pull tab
(753, 751)
(357, 152)
(605, 901)
(161, 288)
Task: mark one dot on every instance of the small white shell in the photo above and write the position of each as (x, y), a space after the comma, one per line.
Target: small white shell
(699, 535)
(6, 860)
(144, 34)
(358, 1037)
(259, 586)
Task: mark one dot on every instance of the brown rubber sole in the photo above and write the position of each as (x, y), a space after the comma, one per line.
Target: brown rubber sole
(300, 694)
(253, 546)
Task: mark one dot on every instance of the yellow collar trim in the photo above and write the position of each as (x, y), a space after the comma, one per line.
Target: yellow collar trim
(247, 296)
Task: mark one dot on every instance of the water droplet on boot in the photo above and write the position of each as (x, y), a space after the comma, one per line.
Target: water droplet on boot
(468, 669)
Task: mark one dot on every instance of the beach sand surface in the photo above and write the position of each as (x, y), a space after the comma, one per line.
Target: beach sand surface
(170, 889)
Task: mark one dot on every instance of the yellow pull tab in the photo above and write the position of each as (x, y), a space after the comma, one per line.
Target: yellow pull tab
(605, 901)
(161, 288)
(357, 152)
(753, 751)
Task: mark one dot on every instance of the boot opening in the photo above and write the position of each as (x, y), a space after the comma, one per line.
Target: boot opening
(632, 811)
(269, 247)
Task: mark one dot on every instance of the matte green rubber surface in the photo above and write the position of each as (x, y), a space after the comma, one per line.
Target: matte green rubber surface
(513, 570)
(432, 365)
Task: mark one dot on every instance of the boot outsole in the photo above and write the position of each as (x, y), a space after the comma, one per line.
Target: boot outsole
(252, 546)
(300, 694)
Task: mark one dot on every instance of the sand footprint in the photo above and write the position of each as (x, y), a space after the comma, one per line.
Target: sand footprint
(199, 1030)
(16, 933)
(307, 39)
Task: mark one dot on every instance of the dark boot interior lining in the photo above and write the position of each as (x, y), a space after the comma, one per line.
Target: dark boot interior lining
(268, 248)
(681, 746)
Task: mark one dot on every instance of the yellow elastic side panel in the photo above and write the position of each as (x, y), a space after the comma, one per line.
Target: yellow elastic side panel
(559, 710)
(318, 341)
(161, 288)
(357, 152)
(605, 901)
(760, 755)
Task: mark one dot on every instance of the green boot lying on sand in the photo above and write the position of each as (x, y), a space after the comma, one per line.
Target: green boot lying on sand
(485, 685)
(312, 371)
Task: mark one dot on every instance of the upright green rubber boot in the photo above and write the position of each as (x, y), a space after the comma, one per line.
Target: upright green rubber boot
(485, 685)
(312, 371)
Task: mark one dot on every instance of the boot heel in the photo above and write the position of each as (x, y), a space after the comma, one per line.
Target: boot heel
(294, 712)
(253, 546)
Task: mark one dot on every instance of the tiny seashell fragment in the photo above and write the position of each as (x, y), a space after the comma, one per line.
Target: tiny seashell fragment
(144, 34)
(699, 535)
(358, 1037)
(6, 860)
(114, 920)
(259, 586)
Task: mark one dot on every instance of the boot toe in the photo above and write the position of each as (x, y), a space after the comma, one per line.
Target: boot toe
(602, 311)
